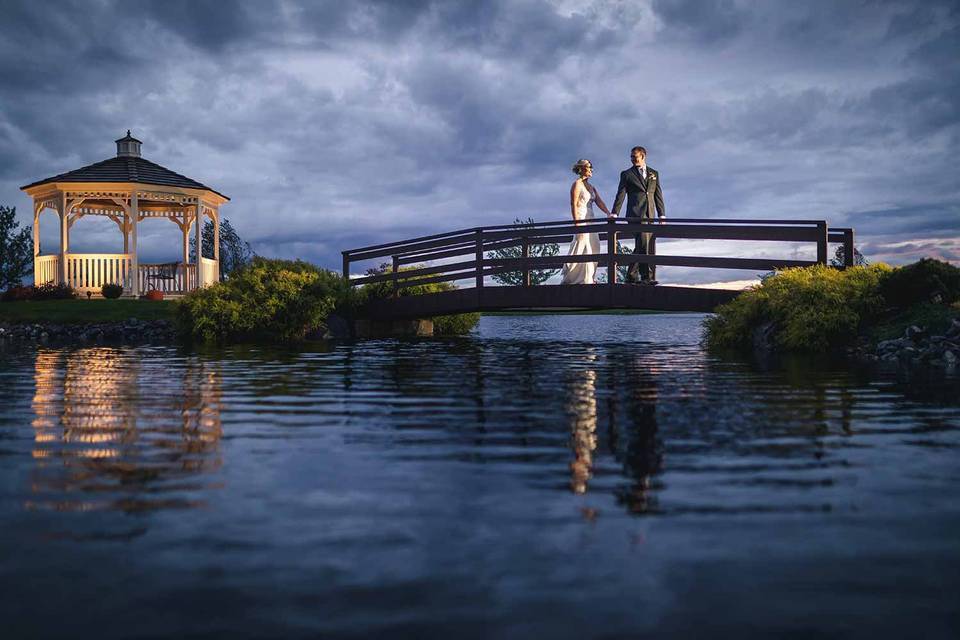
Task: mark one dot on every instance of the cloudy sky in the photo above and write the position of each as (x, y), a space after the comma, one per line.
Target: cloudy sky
(332, 125)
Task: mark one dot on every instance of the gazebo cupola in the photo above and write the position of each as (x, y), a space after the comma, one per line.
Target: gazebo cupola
(127, 189)
(128, 146)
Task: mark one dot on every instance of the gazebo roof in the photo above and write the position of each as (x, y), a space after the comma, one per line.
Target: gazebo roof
(126, 168)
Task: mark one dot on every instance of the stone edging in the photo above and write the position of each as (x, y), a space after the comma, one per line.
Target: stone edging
(918, 348)
(130, 331)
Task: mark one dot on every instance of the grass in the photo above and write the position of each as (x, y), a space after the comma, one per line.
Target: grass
(936, 318)
(85, 311)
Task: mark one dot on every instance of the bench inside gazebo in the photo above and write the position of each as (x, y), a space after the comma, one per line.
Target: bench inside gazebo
(127, 189)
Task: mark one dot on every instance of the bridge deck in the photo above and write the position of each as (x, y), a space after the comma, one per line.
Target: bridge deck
(564, 296)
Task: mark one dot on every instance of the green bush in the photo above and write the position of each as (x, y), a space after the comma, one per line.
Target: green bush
(51, 291)
(812, 308)
(452, 325)
(272, 300)
(46, 291)
(111, 291)
(456, 325)
(927, 280)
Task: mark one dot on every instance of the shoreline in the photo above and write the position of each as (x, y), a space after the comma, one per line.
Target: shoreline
(917, 348)
(129, 331)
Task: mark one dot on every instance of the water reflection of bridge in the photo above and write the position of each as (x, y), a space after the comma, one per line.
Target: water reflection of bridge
(474, 255)
(114, 432)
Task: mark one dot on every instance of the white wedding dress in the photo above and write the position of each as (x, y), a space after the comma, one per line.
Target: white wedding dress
(583, 243)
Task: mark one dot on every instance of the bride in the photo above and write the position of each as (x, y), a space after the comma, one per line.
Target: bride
(582, 196)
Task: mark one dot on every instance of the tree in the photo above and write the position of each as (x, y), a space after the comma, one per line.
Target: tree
(234, 252)
(840, 254)
(859, 260)
(16, 249)
(622, 269)
(514, 278)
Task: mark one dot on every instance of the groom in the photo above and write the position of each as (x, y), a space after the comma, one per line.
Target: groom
(641, 185)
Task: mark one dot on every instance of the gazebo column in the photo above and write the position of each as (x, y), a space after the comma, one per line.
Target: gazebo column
(185, 234)
(134, 259)
(36, 243)
(216, 242)
(199, 221)
(64, 238)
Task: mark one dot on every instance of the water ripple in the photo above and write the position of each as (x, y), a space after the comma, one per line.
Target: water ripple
(380, 464)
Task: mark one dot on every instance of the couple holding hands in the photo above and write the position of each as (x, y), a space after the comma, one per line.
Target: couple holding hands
(641, 186)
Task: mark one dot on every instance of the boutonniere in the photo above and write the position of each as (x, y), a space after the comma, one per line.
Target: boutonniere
(653, 176)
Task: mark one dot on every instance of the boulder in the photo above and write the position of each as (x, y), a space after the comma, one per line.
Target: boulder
(953, 332)
(915, 333)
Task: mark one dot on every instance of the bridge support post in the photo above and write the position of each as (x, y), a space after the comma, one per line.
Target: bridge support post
(849, 253)
(346, 266)
(525, 254)
(479, 260)
(611, 252)
(396, 276)
(822, 242)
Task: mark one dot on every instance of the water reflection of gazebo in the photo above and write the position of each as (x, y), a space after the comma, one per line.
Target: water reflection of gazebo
(99, 443)
(127, 189)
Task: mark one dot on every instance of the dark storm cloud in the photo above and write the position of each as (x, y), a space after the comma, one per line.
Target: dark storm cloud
(337, 124)
(210, 25)
(705, 22)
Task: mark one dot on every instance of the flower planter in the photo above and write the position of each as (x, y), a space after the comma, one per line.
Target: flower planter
(153, 294)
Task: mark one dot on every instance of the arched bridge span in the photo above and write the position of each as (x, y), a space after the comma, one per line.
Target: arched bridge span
(472, 256)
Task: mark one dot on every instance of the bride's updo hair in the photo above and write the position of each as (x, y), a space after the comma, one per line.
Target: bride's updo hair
(580, 168)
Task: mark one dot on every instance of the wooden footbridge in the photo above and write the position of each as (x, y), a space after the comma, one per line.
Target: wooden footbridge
(468, 256)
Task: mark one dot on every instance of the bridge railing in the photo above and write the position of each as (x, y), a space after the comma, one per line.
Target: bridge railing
(464, 254)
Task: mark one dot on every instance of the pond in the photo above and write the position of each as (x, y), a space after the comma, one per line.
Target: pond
(548, 476)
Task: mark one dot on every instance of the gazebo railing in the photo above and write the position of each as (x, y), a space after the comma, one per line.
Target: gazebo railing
(174, 278)
(90, 271)
(46, 269)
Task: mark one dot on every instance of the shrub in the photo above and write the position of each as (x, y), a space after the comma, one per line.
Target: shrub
(111, 291)
(19, 293)
(274, 300)
(459, 324)
(927, 280)
(813, 308)
(48, 291)
(51, 291)
(451, 325)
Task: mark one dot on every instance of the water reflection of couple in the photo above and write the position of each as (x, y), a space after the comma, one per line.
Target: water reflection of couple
(640, 185)
(631, 416)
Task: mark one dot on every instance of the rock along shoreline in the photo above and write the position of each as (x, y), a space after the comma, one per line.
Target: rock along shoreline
(918, 348)
(131, 331)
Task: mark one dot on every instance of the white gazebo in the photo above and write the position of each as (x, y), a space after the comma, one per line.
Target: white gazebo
(126, 189)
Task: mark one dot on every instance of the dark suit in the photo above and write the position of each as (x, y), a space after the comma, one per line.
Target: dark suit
(642, 197)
